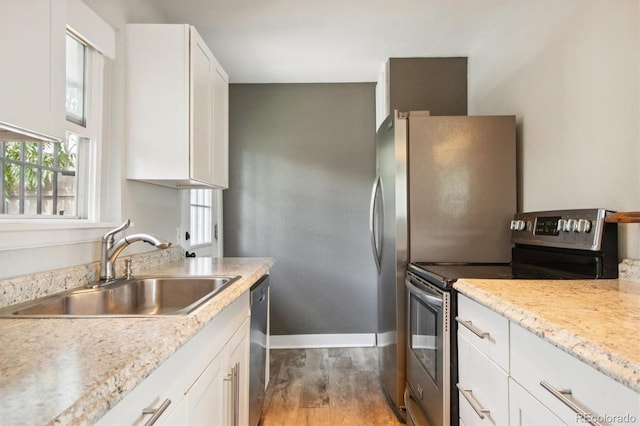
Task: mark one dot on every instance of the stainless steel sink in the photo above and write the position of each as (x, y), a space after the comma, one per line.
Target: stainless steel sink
(148, 296)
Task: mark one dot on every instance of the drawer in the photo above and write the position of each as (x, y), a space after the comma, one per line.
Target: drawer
(535, 361)
(525, 410)
(485, 329)
(488, 386)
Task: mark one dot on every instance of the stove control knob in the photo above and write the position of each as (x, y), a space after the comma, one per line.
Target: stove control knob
(584, 225)
(520, 225)
(562, 225)
(572, 225)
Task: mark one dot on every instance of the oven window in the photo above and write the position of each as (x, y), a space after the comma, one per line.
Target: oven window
(424, 339)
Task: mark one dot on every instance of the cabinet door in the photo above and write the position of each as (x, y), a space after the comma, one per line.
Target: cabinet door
(525, 410)
(202, 74)
(220, 395)
(206, 398)
(32, 65)
(238, 356)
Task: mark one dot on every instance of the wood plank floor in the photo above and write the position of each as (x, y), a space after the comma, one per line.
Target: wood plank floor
(325, 387)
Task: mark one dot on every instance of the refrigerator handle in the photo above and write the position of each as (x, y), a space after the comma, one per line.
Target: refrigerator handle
(372, 230)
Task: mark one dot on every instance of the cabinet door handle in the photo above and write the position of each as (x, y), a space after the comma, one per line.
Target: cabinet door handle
(561, 394)
(475, 330)
(156, 412)
(230, 402)
(234, 395)
(477, 407)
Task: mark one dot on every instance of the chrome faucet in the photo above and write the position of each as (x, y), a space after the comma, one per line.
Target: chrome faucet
(110, 250)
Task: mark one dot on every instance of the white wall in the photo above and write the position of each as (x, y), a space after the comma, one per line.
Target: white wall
(570, 71)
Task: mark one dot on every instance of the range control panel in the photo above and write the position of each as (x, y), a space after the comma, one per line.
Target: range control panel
(578, 229)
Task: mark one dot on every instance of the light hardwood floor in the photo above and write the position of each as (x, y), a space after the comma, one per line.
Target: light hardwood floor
(325, 387)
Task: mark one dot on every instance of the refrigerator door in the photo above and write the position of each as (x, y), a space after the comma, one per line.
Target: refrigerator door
(462, 192)
(391, 151)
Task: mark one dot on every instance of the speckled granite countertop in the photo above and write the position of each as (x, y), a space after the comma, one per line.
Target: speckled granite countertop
(597, 321)
(71, 371)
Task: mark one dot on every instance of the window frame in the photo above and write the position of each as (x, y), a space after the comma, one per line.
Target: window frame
(89, 169)
(19, 232)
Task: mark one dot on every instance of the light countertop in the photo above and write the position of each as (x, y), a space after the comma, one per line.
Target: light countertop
(597, 321)
(71, 371)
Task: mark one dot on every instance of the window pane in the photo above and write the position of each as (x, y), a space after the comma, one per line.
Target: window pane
(75, 81)
(39, 178)
(200, 216)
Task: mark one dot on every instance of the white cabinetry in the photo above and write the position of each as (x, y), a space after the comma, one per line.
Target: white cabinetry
(32, 66)
(545, 384)
(197, 384)
(560, 382)
(177, 107)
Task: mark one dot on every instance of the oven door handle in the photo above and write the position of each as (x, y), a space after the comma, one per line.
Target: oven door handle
(432, 299)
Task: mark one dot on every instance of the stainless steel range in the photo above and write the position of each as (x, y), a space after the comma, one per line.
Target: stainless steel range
(566, 244)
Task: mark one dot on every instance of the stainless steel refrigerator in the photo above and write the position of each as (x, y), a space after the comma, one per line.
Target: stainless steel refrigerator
(445, 191)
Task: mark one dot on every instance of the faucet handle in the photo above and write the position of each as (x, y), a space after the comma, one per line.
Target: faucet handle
(120, 228)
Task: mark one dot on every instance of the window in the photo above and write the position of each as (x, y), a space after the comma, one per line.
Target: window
(200, 214)
(57, 179)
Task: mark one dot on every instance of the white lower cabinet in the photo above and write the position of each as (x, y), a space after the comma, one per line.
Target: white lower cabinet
(574, 391)
(220, 395)
(206, 382)
(520, 379)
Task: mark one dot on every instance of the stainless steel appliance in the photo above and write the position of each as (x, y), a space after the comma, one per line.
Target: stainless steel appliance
(258, 348)
(566, 244)
(444, 187)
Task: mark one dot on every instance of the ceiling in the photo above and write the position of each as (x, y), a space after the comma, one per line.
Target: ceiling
(303, 41)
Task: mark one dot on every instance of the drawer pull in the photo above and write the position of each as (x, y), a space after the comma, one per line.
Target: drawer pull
(157, 412)
(477, 407)
(561, 394)
(475, 330)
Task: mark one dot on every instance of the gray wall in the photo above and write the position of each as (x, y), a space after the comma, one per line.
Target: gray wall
(302, 162)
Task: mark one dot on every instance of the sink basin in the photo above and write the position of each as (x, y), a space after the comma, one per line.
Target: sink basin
(149, 296)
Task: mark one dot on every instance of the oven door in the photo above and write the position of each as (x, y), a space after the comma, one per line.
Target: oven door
(428, 362)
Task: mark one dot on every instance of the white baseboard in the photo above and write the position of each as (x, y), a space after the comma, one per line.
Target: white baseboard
(322, 341)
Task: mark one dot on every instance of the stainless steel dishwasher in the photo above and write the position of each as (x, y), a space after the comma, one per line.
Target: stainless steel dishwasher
(258, 354)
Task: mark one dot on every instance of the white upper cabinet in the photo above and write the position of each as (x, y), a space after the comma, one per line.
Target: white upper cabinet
(177, 106)
(32, 66)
